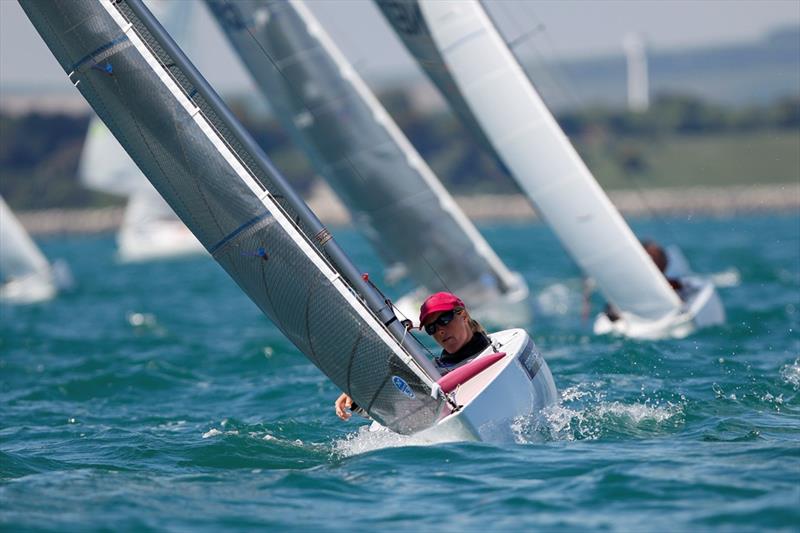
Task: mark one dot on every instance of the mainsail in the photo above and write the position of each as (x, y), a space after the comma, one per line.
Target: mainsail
(215, 177)
(21, 260)
(150, 228)
(394, 196)
(539, 156)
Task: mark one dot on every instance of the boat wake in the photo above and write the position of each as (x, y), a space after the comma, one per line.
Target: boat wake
(730, 277)
(791, 374)
(366, 440)
(584, 413)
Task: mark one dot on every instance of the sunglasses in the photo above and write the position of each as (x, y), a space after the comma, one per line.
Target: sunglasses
(443, 320)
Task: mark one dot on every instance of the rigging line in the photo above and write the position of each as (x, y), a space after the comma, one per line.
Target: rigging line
(559, 77)
(652, 212)
(269, 57)
(436, 272)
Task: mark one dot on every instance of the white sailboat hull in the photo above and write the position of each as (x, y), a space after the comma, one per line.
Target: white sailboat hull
(37, 287)
(151, 231)
(157, 240)
(517, 386)
(702, 308)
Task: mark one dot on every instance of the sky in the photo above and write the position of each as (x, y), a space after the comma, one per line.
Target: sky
(567, 29)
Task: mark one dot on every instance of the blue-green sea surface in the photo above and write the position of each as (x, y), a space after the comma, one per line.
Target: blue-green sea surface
(156, 396)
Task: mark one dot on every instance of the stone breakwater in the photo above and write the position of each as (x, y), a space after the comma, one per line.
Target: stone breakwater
(717, 201)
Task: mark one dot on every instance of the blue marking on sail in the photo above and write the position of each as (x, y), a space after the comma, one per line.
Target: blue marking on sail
(108, 68)
(97, 52)
(237, 231)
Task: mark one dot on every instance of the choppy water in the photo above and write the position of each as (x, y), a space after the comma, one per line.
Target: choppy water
(157, 396)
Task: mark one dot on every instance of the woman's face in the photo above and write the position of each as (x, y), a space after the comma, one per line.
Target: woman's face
(454, 335)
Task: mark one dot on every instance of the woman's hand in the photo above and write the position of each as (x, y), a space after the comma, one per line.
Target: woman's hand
(343, 404)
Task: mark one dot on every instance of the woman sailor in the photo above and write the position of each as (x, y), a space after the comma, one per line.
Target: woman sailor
(444, 317)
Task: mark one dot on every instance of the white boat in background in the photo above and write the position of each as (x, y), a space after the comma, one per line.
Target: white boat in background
(25, 274)
(538, 155)
(257, 227)
(150, 229)
(701, 306)
(395, 199)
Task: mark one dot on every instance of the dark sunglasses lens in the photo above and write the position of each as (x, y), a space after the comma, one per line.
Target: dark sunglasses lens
(443, 320)
(446, 318)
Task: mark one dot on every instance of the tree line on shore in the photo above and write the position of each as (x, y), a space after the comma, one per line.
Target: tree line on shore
(39, 153)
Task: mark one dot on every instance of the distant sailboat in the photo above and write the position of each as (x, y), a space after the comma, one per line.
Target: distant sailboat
(150, 230)
(25, 274)
(500, 97)
(395, 198)
(221, 184)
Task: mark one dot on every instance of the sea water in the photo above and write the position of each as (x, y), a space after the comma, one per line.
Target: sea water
(157, 396)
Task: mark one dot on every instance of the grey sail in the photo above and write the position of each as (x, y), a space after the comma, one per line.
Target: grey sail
(213, 175)
(395, 198)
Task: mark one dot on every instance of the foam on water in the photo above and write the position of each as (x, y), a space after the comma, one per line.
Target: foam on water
(368, 440)
(725, 279)
(583, 413)
(791, 374)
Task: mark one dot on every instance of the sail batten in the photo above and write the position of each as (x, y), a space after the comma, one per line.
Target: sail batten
(176, 130)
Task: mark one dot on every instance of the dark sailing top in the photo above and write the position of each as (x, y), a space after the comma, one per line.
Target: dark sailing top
(448, 361)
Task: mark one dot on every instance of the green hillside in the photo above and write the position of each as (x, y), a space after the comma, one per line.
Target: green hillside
(691, 160)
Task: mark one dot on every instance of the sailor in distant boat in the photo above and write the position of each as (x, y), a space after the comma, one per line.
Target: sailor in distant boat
(659, 257)
(444, 317)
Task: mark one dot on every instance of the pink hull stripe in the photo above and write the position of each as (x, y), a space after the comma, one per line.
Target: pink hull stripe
(464, 373)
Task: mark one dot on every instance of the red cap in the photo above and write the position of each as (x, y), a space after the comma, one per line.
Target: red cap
(437, 303)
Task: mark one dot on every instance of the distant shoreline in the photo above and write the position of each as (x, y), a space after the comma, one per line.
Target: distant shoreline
(715, 201)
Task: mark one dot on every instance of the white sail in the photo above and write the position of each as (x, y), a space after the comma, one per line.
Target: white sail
(543, 162)
(405, 17)
(25, 274)
(216, 178)
(395, 198)
(150, 229)
(104, 165)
